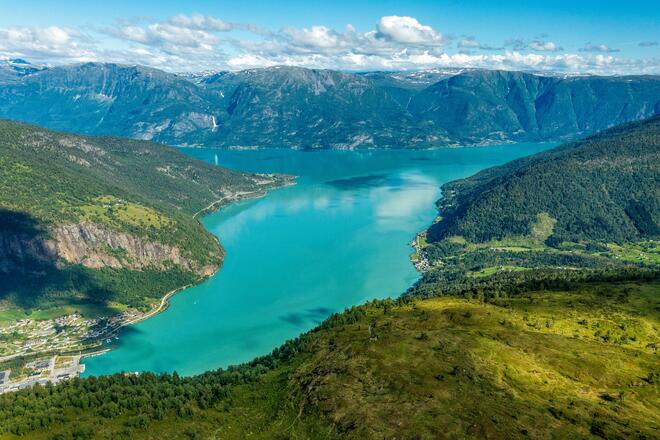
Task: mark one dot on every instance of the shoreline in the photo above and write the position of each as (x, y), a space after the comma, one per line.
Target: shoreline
(164, 303)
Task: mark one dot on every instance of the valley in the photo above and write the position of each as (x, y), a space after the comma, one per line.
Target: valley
(348, 220)
(515, 331)
(361, 208)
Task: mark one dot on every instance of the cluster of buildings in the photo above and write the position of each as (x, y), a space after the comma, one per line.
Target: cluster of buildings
(42, 371)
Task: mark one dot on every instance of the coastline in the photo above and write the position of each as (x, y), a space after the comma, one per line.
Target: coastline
(164, 303)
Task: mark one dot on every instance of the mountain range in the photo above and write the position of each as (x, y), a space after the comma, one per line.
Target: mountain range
(308, 108)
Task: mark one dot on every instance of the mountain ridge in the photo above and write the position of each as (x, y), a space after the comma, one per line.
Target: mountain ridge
(303, 108)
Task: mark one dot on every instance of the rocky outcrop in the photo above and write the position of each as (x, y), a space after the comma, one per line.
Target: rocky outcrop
(92, 246)
(95, 247)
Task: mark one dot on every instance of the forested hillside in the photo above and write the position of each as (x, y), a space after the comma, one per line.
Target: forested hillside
(311, 108)
(540, 364)
(591, 205)
(104, 219)
(604, 188)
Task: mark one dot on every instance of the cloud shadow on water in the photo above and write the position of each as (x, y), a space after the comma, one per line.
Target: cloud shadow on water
(359, 182)
(314, 316)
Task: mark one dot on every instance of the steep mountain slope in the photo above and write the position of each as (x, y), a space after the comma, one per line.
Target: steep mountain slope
(602, 188)
(104, 219)
(588, 206)
(15, 69)
(95, 98)
(493, 105)
(308, 108)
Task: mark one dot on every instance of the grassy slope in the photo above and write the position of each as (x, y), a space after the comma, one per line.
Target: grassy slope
(547, 364)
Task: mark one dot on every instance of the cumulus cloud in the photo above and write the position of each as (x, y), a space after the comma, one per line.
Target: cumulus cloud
(179, 33)
(51, 41)
(407, 30)
(314, 37)
(199, 42)
(603, 48)
(544, 46)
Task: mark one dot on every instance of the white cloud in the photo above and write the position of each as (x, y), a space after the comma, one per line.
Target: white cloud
(315, 37)
(544, 46)
(247, 61)
(603, 48)
(407, 30)
(199, 42)
(201, 22)
(167, 35)
(51, 41)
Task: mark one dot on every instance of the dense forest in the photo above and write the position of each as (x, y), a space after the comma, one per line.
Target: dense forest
(604, 188)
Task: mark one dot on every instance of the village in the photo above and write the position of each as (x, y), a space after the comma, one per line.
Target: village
(50, 370)
(44, 343)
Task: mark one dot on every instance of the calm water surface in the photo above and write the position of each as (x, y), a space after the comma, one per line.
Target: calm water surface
(339, 237)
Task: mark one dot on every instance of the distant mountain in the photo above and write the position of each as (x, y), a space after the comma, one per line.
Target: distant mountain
(479, 106)
(96, 220)
(14, 69)
(309, 108)
(93, 98)
(295, 107)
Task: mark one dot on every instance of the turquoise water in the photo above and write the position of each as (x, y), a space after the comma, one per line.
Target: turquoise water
(339, 237)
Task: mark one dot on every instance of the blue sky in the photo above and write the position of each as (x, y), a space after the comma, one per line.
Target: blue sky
(574, 36)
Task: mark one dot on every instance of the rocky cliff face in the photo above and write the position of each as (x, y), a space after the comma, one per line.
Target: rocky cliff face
(94, 247)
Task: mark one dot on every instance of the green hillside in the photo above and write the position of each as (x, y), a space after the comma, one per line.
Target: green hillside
(102, 220)
(603, 188)
(542, 364)
(592, 205)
